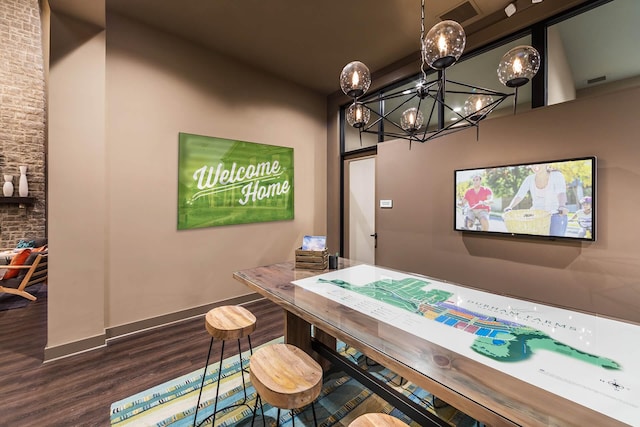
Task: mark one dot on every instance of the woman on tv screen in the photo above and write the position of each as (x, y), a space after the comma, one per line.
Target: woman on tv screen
(548, 190)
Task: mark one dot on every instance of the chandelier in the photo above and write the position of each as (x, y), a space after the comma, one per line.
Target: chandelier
(423, 107)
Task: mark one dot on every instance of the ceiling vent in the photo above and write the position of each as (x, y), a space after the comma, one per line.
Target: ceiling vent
(596, 80)
(461, 13)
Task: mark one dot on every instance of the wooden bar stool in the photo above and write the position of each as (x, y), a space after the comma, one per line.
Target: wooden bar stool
(377, 420)
(224, 323)
(285, 377)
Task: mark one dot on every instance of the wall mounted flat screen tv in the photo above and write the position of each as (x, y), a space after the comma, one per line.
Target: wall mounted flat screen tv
(553, 199)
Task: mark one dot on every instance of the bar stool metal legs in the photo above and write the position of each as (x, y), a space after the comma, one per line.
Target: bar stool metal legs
(293, 417)
(224, 323)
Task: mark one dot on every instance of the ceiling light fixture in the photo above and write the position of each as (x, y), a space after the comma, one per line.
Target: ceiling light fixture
(510, 9)
(423, 108)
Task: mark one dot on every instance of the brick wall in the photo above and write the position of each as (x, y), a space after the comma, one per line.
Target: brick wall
(22, 117)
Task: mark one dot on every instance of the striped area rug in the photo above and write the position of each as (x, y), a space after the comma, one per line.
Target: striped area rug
(342, 399)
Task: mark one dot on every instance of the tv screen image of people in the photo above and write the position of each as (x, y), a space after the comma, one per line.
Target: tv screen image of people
(554, 199)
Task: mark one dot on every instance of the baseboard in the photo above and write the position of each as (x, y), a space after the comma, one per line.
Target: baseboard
(178, 316)
(75, 347)
(98, 341)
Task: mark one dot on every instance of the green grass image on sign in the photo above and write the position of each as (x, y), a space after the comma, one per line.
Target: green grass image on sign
(223, 182)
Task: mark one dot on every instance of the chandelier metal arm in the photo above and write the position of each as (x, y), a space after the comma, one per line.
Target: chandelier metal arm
(441, 97)
(432, 110)
(465, 121)
(386, 96)
(382, 118)
(478, 89)
(393, 110)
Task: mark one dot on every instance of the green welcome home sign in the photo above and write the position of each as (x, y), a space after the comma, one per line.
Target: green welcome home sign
(223, 182)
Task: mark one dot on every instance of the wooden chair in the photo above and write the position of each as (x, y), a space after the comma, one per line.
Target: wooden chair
(35, 271)
(228, 322)
(285, 377)
(377, 420)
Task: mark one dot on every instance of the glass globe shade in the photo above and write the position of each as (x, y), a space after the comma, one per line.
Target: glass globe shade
(358, 115)
(444, 44)
(355, 79)
(518, 66)
(475, 106)
(411, 119)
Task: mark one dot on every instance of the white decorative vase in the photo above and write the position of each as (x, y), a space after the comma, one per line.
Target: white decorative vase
(7, 188)
(23, 188)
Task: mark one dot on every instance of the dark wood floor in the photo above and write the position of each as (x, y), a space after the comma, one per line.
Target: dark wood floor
(79, 390)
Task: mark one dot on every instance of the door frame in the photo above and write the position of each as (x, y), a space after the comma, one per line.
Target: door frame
(344, 192)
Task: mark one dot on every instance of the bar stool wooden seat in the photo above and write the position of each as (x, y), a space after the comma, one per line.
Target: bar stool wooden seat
(285, 377)
(225, 323)
(377, 420)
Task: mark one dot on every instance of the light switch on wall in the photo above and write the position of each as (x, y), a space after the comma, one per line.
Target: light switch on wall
(386, 203)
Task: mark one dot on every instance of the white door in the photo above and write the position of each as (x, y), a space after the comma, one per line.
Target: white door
(362, 209)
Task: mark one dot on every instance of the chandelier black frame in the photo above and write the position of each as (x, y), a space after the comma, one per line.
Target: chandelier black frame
(434, 125)
(440, 49)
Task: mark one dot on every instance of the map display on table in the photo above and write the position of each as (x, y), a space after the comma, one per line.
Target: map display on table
(584, 358)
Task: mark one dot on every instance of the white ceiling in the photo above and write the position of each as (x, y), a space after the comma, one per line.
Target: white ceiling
(309, 42)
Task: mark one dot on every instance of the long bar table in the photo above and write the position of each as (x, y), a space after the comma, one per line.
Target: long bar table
(431, 358)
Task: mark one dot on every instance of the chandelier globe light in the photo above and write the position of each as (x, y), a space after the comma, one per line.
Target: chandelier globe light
(358, 115)
(476, 105)
(411, 119)
(518, 66)
(444, 44)
(424, 107)
(355, 79)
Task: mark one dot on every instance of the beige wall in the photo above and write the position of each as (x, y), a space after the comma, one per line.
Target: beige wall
(120, 262)
(155, 87)
(76, 183)
(602, 277)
